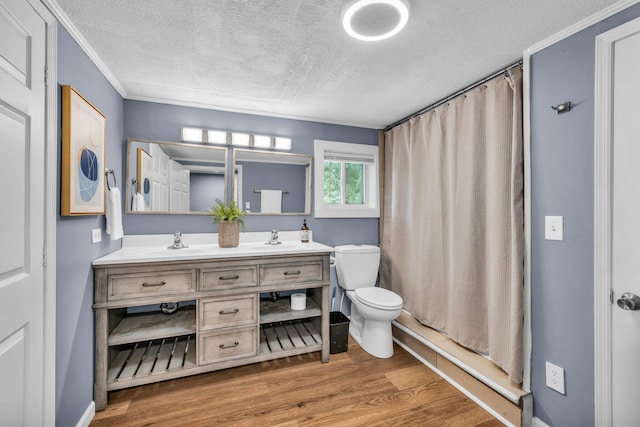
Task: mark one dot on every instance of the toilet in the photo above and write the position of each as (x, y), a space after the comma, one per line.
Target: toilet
(372, 308)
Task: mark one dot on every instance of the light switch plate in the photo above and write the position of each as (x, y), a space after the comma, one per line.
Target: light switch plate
(553, 228)
(96, 235)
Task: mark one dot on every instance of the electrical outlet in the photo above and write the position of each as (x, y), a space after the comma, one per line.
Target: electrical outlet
(96, 235)
(555, 377)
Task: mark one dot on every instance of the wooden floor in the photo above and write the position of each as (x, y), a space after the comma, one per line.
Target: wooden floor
(353, 389)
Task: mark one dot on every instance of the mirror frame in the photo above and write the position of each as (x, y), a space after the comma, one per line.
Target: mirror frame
(129, 183)
(308, 188)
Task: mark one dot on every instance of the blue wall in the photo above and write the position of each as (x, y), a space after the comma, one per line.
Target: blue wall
(74, 289)
(562, 172)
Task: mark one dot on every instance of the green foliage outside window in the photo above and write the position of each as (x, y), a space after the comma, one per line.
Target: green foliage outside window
(354, 183)
(354, 192)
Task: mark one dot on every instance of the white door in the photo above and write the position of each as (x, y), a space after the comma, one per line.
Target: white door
(160, 179)
(22, 217)
(625, 261)
(179, 179)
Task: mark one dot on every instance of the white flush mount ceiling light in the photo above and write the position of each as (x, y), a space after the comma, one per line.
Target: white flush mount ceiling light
(373, 20)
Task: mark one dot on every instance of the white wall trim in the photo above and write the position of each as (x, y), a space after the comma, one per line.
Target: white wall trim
(581, 25)
(87, 416)
(603, 131)
(526, 133)
(62, 17)
(50, 206)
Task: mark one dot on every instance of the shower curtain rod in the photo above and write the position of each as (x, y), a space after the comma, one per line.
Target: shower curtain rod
(450, 97)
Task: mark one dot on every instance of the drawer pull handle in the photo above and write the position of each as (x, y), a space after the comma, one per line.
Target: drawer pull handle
(150, 285)
(292, 273)
(234, 311)
(234, 277)
(235, 344)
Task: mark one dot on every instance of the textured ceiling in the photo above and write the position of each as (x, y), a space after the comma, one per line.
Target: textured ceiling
(293, 59)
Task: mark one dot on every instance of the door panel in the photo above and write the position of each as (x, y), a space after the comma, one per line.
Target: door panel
(22, 213)
(625, 352)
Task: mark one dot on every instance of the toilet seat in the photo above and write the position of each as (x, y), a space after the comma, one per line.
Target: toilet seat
(380, 298)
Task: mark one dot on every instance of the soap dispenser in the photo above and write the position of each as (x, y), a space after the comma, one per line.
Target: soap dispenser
(304, 232)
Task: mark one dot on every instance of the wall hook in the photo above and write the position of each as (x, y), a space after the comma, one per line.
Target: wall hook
(565, 107)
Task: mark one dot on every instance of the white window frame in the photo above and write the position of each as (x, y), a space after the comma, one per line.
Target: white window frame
(371, 207)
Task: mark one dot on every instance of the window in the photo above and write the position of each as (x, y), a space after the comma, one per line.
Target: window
(346, 180)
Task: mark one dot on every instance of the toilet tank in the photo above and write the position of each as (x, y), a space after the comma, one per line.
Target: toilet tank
(357, 266)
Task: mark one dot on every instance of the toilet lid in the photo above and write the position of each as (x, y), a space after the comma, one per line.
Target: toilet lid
(379, 298)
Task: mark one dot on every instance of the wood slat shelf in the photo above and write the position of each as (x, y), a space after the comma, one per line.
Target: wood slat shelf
(153, 357)
(151, 326)
(280, 310)
(290, 335)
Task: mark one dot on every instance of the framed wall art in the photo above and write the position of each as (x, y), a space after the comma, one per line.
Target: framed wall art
(83, 156)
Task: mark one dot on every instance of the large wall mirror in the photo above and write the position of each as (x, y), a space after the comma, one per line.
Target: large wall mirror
(270, 183)
(174, 177)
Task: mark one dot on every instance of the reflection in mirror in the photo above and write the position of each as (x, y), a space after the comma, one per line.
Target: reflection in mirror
(174, 177)
(271, 183)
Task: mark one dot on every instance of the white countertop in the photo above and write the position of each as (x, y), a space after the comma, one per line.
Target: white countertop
(153, 248)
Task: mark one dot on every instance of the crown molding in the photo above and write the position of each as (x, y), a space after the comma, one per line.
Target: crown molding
(581, 25)
(63, 19)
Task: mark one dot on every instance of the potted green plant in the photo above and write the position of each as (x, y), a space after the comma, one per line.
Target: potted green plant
(228, 219)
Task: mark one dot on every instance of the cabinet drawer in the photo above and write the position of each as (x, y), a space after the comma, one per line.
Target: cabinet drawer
(162, 283)
(231, 344)
(224, 312)
(224, 277)
(299, 272)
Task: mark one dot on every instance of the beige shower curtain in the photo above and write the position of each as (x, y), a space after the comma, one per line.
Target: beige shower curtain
(452, 223)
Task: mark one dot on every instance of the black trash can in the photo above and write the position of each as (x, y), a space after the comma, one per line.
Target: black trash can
(339, 332)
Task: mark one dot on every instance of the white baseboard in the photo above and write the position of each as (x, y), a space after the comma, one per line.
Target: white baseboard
(537, 422)
(87, 416)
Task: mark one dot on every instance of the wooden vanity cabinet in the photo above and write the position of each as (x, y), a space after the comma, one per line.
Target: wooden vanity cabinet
(221, 322)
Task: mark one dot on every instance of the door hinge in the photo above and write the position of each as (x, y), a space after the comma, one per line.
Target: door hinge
(611, 296)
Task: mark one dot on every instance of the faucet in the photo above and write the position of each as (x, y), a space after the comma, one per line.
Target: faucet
(274, 238)
(177, 241)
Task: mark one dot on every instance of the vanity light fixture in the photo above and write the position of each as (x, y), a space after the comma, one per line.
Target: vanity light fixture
(282, 143)
(216, 137)
(261, 141)
(373, 20)
(240, 139)
(192, 135)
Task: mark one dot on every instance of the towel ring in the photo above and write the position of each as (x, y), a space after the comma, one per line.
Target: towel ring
(108, 172)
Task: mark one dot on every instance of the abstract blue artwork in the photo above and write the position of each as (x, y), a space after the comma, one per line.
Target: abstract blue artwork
(83, 156)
